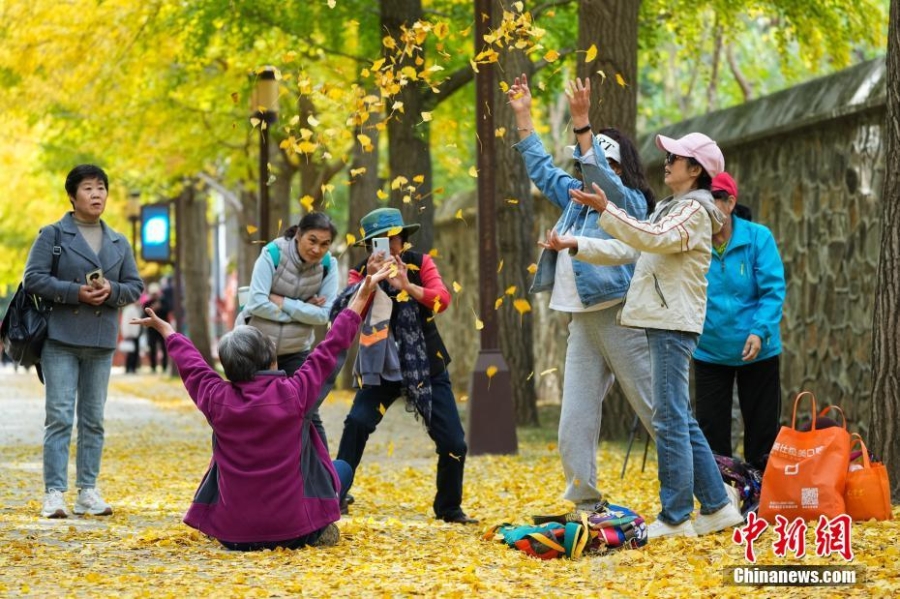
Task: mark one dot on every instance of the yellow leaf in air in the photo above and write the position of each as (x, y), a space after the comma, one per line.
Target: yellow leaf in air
(399, 181)
(504, 86)
(403, 296)
(551, 56)
(522, 305)
(459, 214)
(500, 267)
(364, 140)
(602, 77)
(410, 266)
(252, 229)
(473, 172)
(382, 195)
(437, 305)
(419, 179)
(433, 252)
(512, 201)
(500, 132)
(530, 376)
(511, 290)
(394, 231)
(491, 371)
(307, 147)
(355, 172)
(313, 121)
(520, 7)
(548, 371)
(457, 287)
(441, 30)
(389, 42)
(532, 268)
(377, 64)
(620, 80)
(381, 408)
(254, 122)
(351, 238)
(591, 53)
(307, 202)
(390, 448)
(479, 324)
(393, 270)
(426, 116)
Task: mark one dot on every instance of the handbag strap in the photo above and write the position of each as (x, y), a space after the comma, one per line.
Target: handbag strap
(800, 396)
(856, 438)
(57, 250)
(837, 409)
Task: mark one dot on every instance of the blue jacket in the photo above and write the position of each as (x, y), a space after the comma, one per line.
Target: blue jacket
(595, 284)
(72, 322)
(745, 295)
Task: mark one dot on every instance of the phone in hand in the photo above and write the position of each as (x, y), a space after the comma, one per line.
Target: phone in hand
(383, 245)
(94, 278)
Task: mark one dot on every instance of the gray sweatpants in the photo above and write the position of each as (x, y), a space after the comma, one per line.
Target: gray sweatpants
(599, 352)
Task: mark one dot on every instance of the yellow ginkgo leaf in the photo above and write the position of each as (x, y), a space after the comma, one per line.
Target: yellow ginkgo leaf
(530, 376)
(522, 305)
(433, 252)
(381, 408)
(457, 287)
(532, 268)
(426, 116)
(307, 202)
(313, 121)
(419, 179)
(504, 86)
(355, 172)
(473, 172)
(620, 80)
(479, 324)
(491, 371)
(591, 53)
(602, 77)
(390, 448)
(437, 305)
(351, 238)
(511, 290)
(551, 56)
(497, 303)
(251, 229)
(382, 195)
(403, 296)
(500, 132)
(500, 266)
(411, 266)
(512, 201)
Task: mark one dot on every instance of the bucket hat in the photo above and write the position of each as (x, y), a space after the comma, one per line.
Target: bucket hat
(383, 222)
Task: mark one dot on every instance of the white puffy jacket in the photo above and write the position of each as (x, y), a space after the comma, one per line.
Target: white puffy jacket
(672, 249)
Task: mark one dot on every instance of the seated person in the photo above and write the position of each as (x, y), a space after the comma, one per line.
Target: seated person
(254, 496)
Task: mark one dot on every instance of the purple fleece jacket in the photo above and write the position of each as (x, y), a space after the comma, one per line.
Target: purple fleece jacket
(270, 478)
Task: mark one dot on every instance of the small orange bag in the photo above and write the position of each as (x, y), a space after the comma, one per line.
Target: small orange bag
(868, 491)
(806, 473)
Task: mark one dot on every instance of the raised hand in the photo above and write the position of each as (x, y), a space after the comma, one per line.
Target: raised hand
(579, 94)
(596, 200)
(558, 242)
(154, 322)
(519, 95)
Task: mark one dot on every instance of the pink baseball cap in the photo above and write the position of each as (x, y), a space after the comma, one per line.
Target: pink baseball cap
(697, 146)
(724, 182)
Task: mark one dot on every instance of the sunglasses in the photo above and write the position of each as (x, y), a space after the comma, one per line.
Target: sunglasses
(671, 158)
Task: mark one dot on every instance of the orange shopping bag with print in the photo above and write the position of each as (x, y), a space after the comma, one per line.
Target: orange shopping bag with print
(868, 491)
(807, 471)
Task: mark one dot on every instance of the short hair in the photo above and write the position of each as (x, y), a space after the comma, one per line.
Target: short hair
(244, 351)
(82, 172)
(312, 221)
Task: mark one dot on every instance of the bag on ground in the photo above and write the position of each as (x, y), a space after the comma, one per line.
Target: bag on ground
(868, 491)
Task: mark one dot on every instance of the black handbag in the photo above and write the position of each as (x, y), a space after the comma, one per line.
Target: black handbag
(24, 327)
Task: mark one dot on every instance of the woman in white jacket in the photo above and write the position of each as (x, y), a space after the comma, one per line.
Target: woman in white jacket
(667, 298)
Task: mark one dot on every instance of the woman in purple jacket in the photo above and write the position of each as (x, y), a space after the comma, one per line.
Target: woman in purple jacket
(271, 482)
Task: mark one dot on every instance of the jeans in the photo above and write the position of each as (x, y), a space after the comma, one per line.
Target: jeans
(446, 431)
(759, 394)
(686, 464)
(76, 380)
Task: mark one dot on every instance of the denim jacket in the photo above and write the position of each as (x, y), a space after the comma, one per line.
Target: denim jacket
(595, 284)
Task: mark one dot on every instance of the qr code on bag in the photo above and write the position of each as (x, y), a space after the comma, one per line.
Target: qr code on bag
(809, 497)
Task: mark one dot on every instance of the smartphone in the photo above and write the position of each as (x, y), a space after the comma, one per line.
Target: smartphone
(383, 245)
(94, 278)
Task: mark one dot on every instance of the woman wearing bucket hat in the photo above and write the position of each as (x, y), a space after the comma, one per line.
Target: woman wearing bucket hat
(741, 338)
(293, 286)
(401, 353)
(667, 299)
(599, 350)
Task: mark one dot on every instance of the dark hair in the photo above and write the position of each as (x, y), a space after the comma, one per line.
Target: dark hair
(313, 221)
(82, 172)
(704, 181)
(244, 351)
(744, 212)
(632, 169)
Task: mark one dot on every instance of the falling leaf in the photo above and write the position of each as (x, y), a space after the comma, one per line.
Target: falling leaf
(497, 303)
(437, 305)
(591, 53)
(500, 267)
(251, 229)
(479, 324)
(419, 179)
(307, 202)
(511, 290)
(457, 287)
(433, 252)
(500, 132)
(381, 408)
(473, 172)
(522, 306)
(551, 56)
(390, 448)
(530, 376)
(351, 238)
(620, 80)
(532, 268)
(394, 231)
(382, 195)
(426, 117)
(355, 172)
(491, 371)
(548, 371)
(403, 296)
(602, 77)
(313, 121)
(412, 267)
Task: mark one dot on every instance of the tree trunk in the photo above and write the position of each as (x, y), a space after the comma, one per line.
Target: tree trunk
(612, 26)
(515, 237)
(280, 194)
(194, 258)
(409, 151)
(885, 438)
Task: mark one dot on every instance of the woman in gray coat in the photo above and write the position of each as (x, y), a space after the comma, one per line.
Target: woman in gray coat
(96, 276)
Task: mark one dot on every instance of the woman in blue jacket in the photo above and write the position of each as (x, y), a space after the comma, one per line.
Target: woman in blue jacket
(741, 337)
(599, 350)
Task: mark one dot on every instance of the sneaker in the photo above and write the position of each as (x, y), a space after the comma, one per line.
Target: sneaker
(734, 495)
(727, 517)
(90, 502)
(54, 505)
(330, 536)
(660, 529)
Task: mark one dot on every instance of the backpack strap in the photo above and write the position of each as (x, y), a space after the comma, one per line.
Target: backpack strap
(57, 251)
(274, 252)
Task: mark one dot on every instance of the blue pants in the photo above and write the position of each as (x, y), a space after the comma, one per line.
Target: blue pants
(445, 430)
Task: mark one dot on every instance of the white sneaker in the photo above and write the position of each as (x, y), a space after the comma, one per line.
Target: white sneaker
(727, 517)
(734, 495)
(661, 529)
(90, 502)
(54, 505)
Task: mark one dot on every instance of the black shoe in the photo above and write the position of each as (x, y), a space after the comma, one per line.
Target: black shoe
(460, 518)
(345, 510)
(349, 499)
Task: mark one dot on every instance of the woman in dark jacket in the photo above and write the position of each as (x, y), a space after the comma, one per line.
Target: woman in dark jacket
(96, 277)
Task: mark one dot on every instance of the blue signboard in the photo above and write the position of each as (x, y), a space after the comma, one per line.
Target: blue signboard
(156, 233)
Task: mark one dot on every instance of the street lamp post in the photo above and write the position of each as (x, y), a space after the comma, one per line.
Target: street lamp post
(133, 212)
(265, 108)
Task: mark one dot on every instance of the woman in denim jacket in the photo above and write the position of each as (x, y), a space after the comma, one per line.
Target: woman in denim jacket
(599, 350)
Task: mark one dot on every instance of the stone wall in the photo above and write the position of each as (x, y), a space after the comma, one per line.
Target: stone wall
(809, 161)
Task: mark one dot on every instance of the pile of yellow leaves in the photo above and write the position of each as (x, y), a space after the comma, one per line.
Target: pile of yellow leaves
(391, 544)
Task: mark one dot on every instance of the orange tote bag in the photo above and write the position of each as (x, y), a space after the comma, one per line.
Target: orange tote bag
(868, 491)
(806, 473)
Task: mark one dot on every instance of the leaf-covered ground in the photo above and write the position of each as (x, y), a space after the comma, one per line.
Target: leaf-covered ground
(157, 449)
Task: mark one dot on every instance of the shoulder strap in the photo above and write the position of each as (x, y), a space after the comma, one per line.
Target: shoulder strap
(326, 264)
(57, 250)
(274, 252)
